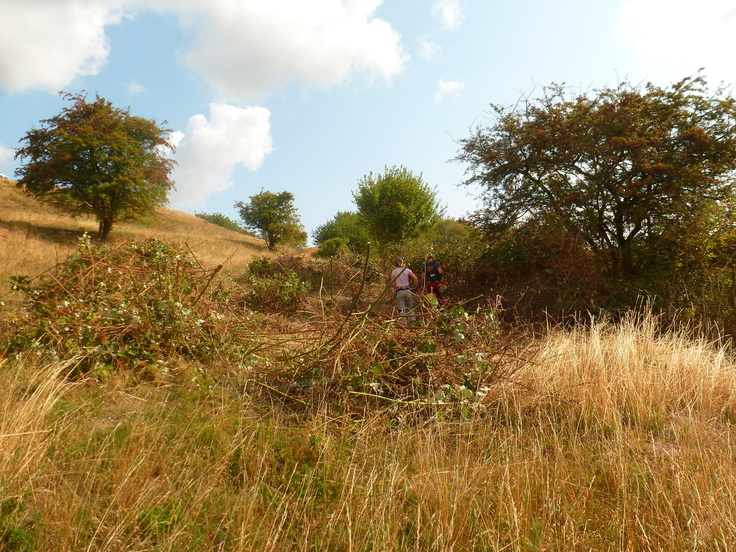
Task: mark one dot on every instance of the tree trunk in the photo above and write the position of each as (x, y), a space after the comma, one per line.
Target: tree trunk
(104, 229)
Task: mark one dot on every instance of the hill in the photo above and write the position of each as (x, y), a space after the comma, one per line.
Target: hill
(32, 238)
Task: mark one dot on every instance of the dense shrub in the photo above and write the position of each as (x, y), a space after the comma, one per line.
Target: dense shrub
(332, 247)
(274, 285)
(129, 306)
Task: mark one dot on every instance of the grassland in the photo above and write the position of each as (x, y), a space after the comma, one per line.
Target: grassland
(33, 239)
(355, 433)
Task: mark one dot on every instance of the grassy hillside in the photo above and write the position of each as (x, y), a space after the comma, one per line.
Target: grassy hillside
(147, 409)
(32, 238)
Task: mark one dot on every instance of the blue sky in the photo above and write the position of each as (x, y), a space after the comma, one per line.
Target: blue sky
(311, 95)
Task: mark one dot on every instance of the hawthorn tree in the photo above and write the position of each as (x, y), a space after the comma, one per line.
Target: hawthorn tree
(96, 159)
(620, 168)
(273, 217)
(396, 206)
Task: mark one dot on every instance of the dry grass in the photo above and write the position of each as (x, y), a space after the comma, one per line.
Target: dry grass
(612, 439)
(33, 239)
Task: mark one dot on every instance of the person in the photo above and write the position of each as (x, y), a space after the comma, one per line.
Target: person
(432, 276)
(400, 276)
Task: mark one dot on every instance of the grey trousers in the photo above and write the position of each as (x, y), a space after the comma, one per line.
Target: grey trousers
(405, 303)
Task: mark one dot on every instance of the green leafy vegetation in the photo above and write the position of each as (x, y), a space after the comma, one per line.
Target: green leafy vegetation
(17, 531)
(345, 228)
(273, 217)
(96, 159)
(594, 200)
(134, 306)
(396, 207)
(221, 220)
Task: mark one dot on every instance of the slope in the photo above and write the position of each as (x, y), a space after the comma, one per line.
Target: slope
(33, 238)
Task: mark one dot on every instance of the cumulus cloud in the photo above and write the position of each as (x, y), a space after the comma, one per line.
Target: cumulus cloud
(249, 48)
(46, 44)
(428, 48)
(244, 49)
(682, 35)
(445, 88)
(208, 150)
(450, 13)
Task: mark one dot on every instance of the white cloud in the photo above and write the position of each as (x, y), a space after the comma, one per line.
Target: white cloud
(46, 44)
(428, 48)
(450, 13)
(244, 48)
(135, 88)
(445, 88)
(682, 35)
(247, 49)
(208, 151)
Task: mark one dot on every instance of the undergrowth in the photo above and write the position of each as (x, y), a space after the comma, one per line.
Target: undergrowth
(335, 425)
(131, 307)
(140, 307)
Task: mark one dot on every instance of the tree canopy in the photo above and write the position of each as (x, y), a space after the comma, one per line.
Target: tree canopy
(617, 167)
(396, 206)
(274, 218)
(345, 225)
(96, 159)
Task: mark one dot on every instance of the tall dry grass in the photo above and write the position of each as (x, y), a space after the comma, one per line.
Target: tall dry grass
(612, 438)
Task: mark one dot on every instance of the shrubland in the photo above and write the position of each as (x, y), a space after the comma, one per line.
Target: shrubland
(155, 401)
(606, 438)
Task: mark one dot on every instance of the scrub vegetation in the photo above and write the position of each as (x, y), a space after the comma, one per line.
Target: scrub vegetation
(155, 402)
(184, 386)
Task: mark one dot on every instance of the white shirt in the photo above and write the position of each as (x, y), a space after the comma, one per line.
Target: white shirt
(401, 274)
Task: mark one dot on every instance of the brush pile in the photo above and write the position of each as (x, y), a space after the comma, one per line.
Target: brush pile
(127, 307)
(140, 307)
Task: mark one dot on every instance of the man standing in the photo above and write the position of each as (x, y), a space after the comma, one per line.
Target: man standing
(432, 276)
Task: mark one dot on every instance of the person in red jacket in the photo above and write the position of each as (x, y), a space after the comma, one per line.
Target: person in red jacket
(432, 276)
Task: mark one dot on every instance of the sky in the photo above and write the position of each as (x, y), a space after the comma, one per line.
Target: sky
(309, 96)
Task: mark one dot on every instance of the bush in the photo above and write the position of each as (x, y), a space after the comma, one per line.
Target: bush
(124, 307)
(283, 292)
(221, 220)
(274, 285)
(332, 247)
(16, 532)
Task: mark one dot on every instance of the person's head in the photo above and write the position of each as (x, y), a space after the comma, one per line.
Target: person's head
(430, 257)
(398, 261)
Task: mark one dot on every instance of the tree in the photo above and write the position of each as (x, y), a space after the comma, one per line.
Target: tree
(96, 159)
(618, 167)
(273, 218)
(345, 225)
(396, 206)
